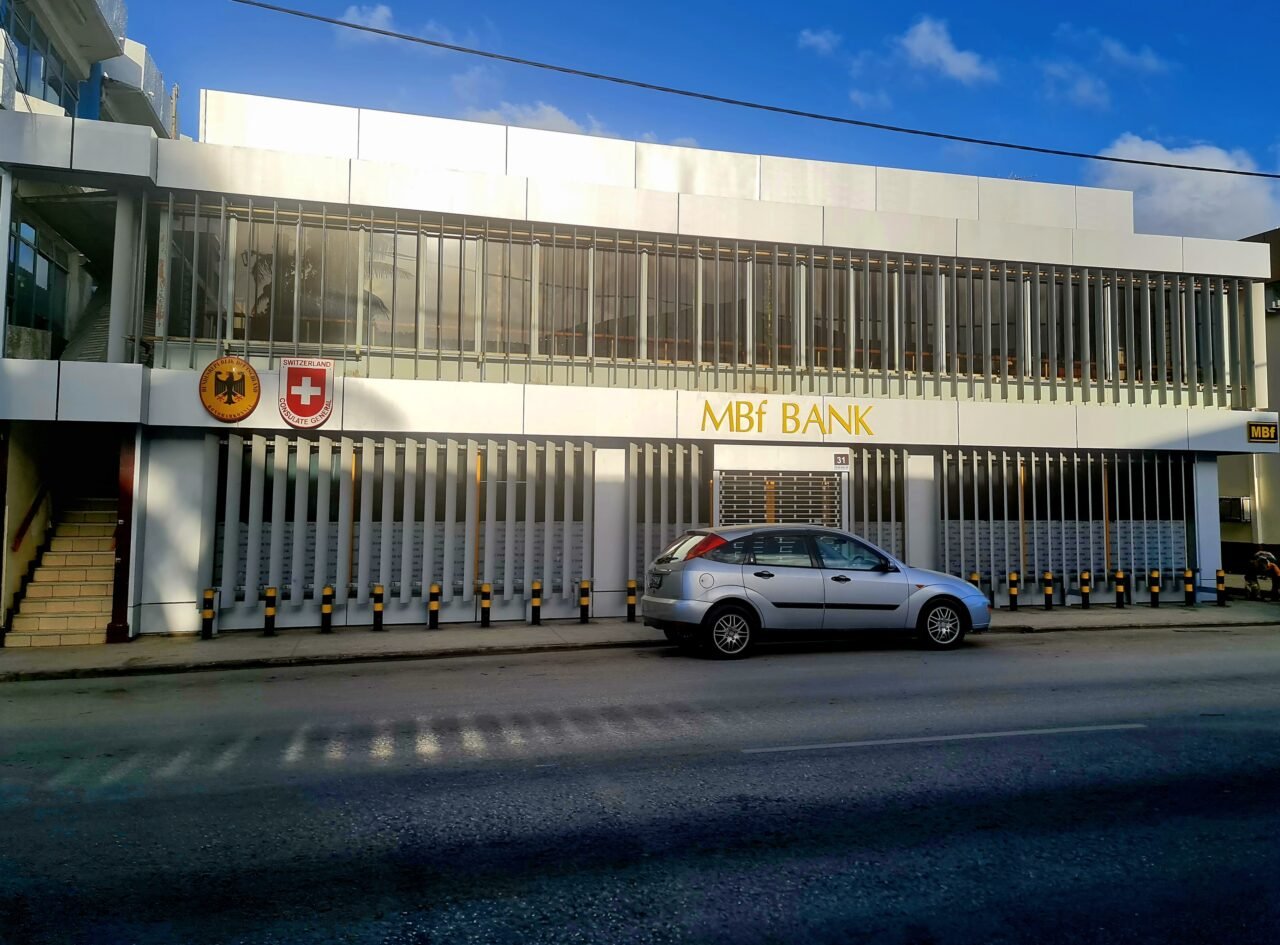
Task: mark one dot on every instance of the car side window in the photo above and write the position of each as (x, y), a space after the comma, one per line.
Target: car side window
(781, 551)
(846, 554)
(735, 552)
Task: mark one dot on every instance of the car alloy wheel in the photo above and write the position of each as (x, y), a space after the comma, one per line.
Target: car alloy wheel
(943, 625)
(730, 634)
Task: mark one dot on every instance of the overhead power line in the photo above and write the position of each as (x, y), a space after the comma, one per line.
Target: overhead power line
(743, 103)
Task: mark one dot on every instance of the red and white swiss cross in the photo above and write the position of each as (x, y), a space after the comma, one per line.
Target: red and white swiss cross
(306, 391)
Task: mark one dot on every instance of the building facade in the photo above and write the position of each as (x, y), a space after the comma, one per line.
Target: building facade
(495, 355)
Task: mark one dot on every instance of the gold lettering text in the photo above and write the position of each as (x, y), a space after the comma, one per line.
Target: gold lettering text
(716, 422)
(860, 420)
(790, 417)
(815, 416)
(845, 419)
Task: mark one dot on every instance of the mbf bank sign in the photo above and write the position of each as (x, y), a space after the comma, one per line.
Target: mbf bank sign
(787, 418)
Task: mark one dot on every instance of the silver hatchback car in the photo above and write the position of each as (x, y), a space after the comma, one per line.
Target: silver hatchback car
(718, 588)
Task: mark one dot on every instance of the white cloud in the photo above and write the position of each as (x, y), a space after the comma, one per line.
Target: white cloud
(823, 41)
(878, 99)
(928, 45)
(378, 16)
(1190, 203)
(1140, 60)
(538, 115)
(477, 84)
(1070, 81)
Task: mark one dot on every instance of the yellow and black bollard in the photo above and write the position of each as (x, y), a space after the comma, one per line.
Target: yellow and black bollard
(269, 613)
(631, 601)
(377, 607)
(206, 615)
(1222, 588)
(1189, 587)
(1013, 590)
(975, 579)
(1154, 586)
(326, 609)
(486, 602)
(1048, 590)
(433, 607)
(1086, 588)
(535, 605)
(1119, 590)
(584, 601)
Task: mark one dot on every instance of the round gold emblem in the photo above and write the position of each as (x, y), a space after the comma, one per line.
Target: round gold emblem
(230, 389)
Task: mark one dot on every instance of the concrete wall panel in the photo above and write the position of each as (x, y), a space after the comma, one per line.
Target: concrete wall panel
(387, 406)
(1226, 258)
(104, 393)
(697, 171)
(926, 193)
(276, 124)
(606, 412)
(1100, 209)
(560, 156)
(1011, 425)
(896, 232)
(1130, 428)
(1026, 202)
(1126, 251)
(987, 239)
(426, 141)
(114, 148)
(28, 389)
(402, 187)
(41, 140)
(731, 218)
(186, 165)
(622, 208)
(818, 183)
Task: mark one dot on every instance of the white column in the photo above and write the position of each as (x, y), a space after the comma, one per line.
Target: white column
(922, 511)
(1261, 381)
(1208, 530)
(124, 263)
(6, 217)
(609, 533)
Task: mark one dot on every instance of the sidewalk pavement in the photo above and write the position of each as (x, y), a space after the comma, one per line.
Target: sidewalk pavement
(250, 650)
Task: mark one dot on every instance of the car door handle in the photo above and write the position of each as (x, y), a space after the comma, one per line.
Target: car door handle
(842, 578)
(764, 574)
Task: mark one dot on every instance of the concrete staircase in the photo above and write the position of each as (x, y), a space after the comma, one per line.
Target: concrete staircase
(68, 601)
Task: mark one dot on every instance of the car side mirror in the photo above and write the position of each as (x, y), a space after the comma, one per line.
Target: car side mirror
(888, 567)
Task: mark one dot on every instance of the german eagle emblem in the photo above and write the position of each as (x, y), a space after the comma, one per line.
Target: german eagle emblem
(228, 387)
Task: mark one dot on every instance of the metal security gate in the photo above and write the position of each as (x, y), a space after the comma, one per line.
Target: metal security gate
(869, 498)
(1032, 511)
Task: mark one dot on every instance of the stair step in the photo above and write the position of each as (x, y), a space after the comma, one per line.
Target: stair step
(25, 623)
(62, 545)
(61, 574)
(83, 530)
(92, 505)
(66, 605)
(55, 638)
(78, 559)
(90, 517)
(47, 590)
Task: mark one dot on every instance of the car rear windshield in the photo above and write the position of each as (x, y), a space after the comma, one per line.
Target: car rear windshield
(680, 547)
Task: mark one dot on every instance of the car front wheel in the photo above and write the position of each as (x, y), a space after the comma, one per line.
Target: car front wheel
(730, 632)
(942, 625)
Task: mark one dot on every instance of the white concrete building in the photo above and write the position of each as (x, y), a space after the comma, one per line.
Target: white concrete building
(553, 353)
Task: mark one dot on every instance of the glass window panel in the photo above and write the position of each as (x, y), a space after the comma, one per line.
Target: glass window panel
(451, 284)
(281, 289)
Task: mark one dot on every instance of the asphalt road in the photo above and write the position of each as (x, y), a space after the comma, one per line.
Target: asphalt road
(1073, 787)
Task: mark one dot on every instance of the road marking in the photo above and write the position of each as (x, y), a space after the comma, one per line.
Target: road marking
(179, 762)
(68, 774)
(232, 752)
(123, 769)
(297, 746)
(923, 739)
(383, 745)
(425, 744)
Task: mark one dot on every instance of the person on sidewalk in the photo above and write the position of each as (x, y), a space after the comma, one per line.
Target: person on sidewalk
(1262, 565)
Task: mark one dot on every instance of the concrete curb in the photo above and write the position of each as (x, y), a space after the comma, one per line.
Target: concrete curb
(285, 662)
(336, 659)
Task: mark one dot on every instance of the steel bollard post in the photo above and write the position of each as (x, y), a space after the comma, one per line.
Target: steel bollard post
(206, 615)
(1086, 588)
(1013, 590)
(1119, 590)
(377, 607)
(584, 601)
(535, 605)
(1222, 588)
(486, 602)
(631, 601)
(1048, 590)
(1154, 585)
(1189, 587)
(975, 579)
(269, 613)
(433, 607)
(326, 609)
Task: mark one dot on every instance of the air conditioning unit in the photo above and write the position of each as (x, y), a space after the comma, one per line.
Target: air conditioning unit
(1235, 509)
(1274, 306)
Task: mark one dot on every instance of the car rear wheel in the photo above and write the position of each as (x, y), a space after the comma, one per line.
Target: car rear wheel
(730, 632)
(942, 625)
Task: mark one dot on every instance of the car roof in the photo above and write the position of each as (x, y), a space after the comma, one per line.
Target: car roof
(739, 531)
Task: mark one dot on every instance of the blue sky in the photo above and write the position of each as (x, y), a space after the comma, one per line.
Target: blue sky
(1139, 80)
